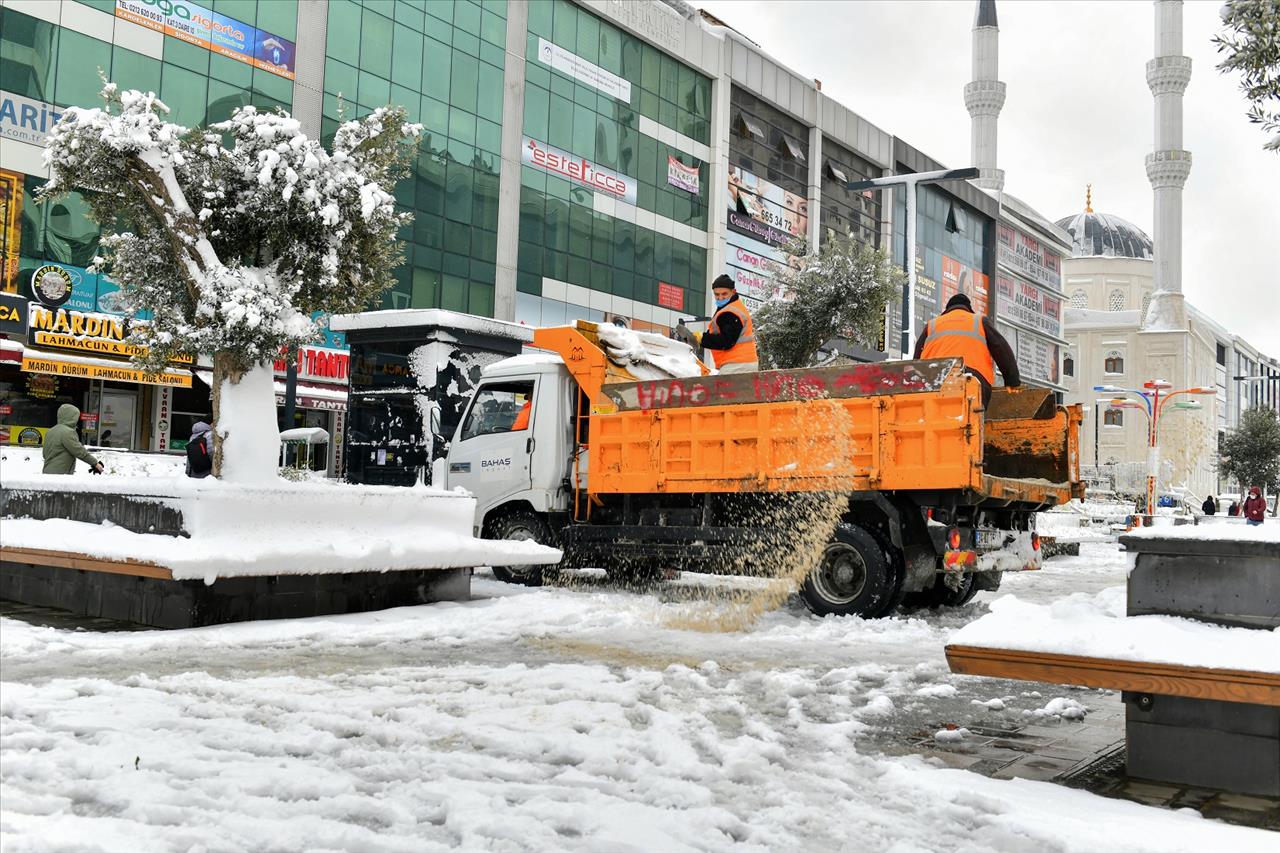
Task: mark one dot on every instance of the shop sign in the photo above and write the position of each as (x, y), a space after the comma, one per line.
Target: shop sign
(163, 418)
(26, 120)
(318, 403)
(1029, 305)
(339, 425)
(555, 56)
(958, 278)
(579, 169)
(212, 31)
(10, 227)
(682, 177)
(755, 200)
(1038, 358)
(322, 365)
(42, 387)
(34, 364)
(22, 436)
(1025, 254)
(81, 331)
(670, 296)
(89, 418)
(6, 409)
(13, 314)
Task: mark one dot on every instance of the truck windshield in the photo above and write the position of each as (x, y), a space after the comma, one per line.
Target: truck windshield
(497, 408)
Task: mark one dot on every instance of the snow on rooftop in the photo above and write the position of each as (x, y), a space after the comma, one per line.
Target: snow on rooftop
(523, 361)
(408, 317)
(1096, 626)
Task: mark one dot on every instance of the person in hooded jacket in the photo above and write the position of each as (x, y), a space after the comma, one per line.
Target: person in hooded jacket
(1210, 506)
(62, 446)
(961, 332)
(1255, 507)
(199, 457)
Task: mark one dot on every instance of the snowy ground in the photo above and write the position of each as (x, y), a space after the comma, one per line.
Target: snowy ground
(551, 719)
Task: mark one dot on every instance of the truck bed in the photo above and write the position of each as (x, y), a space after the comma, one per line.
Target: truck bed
(892, 426)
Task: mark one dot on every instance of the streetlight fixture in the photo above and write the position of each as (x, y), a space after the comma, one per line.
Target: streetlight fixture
(911, 181)
(1154, 405)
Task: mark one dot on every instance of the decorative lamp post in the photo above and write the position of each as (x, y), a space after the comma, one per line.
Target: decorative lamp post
(1154, 404)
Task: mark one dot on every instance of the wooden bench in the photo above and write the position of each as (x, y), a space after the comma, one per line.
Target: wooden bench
(1193, 682)
(83, 562)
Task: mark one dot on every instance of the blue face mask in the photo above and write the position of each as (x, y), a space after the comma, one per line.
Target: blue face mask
(720, 303)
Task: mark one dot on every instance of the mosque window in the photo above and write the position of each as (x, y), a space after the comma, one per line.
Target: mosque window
(1080, 299)
(1115, 302)
(1114, 363)
(1068, 366)
(1146, 303)
(1113, 417)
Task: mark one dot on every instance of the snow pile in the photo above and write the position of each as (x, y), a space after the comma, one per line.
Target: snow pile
(1221, 530)
(284, 528)
(647, 355)
(248, 428)
(950, 735)
(1062, 707)
(1095, 626)
(28, 461)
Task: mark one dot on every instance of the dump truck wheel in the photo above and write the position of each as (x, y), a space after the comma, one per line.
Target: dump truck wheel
(898, 566)
(523, 526)
(941, 595)
(853, 579)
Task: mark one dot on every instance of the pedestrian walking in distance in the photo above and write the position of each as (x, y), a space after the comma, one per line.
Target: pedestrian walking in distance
(1234, 509)
(199, 459)
(62, 446)
(1210, 506)
(1255, 508)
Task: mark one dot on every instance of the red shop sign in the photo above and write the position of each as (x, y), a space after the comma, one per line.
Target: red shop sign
(88, 418)
(670, 296)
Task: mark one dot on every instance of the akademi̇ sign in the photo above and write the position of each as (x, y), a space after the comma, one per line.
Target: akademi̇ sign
(579, 169)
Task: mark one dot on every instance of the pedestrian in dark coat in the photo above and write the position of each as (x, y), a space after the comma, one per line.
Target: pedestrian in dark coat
(199, 457)
(1234, 509)
(1255, 508)
(62, 446)
(1210, 506)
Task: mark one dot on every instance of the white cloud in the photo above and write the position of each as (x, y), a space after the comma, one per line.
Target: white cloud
(1078, 112)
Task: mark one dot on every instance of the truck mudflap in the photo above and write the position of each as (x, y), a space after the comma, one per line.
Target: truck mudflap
(995, 551)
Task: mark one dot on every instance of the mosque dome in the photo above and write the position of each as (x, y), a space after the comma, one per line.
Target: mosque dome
(1096, 235)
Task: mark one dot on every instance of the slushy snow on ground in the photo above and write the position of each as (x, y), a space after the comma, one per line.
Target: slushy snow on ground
(554, 719)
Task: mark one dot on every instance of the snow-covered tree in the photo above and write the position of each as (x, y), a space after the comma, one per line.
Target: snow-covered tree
(233, 247)
(1251, 452)
(1251, 42)
(840, 292)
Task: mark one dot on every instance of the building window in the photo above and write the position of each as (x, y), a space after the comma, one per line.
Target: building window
(1069, 366)
(1222, 355)
(1113, 418)
(1146, 303)
(1115, 302)
(748, 129)
(1080, 299)
(1114, 363)
(834, 173)
(955, 220)
(791, 150)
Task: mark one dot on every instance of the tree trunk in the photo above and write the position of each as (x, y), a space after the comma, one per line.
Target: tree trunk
(225, 367)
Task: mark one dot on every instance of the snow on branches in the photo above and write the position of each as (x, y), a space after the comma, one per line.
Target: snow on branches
(840, 292)
(233, 247)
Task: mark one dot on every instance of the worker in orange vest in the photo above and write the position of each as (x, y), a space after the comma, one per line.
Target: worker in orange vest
(522, 417)
(961, 333)
(731, 336)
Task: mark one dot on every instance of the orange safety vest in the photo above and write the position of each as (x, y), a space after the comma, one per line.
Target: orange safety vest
(522, 417)
(744, 350)
(960, 334)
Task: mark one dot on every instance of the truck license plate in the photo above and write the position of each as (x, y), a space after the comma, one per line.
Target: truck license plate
(989, 539)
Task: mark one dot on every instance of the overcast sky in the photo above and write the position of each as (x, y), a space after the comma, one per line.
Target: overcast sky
(1078, 111)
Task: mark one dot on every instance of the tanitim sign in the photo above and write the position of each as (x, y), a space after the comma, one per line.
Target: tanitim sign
(212, 31)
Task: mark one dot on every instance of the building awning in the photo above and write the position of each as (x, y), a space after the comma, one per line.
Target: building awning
(36, 360)
(309, 395)
(11, 350)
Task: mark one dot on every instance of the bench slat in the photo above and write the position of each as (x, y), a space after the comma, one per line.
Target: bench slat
(1225, 685)
(83, 562)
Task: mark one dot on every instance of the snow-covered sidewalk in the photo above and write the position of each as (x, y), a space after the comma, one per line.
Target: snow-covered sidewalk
(551, 719)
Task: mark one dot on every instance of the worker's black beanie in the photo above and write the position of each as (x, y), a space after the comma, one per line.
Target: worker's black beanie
(724, 281)
(959, 300)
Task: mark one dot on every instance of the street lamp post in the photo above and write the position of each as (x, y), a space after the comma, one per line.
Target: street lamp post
(1154, 406)
(911, 181)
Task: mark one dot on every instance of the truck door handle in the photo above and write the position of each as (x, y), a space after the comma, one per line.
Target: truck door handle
(528, 445)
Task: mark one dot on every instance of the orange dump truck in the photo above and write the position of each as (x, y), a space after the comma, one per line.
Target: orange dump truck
(580, 447)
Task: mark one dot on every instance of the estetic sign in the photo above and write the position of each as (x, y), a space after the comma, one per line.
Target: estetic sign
(212, 31)
(578, 169)
(554, 56)
(26, 120)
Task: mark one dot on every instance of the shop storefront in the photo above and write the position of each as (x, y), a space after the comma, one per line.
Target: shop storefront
(320, 400)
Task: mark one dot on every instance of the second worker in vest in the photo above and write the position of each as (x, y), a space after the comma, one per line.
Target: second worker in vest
(961, 333)
(731, 337)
